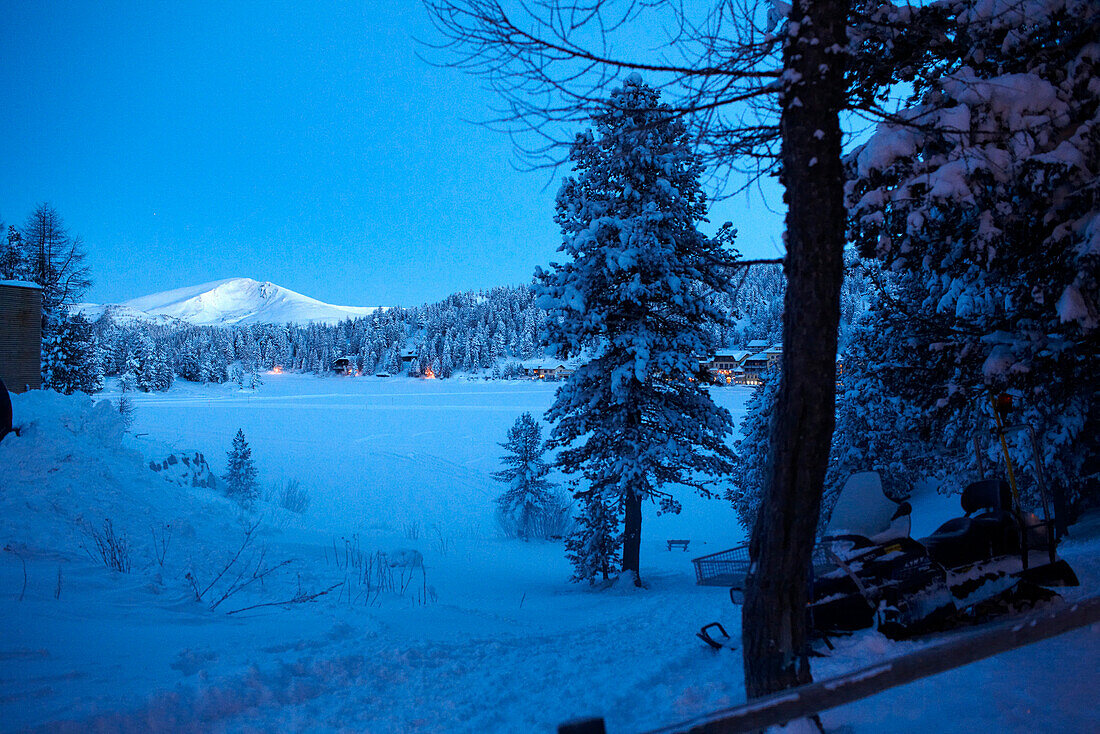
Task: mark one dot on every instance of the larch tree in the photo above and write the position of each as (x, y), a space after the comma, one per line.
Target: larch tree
(813, 92)
(631, 300)
(54, 260)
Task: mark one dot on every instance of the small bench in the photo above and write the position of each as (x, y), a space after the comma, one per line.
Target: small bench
(682, 544)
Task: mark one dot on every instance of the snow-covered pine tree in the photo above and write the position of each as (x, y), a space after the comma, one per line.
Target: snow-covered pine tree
(164, 374)
(70, 359)
(145, 356)
(633, 299)
(981, 202)
(240, 472)
(592, 547)
(255, 379)
(529, 495)
(13, 258)
(748, 467)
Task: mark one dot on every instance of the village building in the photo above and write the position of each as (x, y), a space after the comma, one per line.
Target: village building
(757, 364)
(544, 369)
(725, 365)
(408, 355)
(20, 335)
(343, 366)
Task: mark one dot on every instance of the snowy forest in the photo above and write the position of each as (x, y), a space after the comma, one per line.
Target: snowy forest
(483, 332)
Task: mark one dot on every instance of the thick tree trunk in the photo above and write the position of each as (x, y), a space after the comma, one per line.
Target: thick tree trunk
(632, 536)
(774, 616)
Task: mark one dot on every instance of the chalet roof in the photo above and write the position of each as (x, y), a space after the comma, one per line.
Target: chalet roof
(737, 354)
(549, 363)
(758, 357)
(757, 344)
(408, 352)
(21, 284)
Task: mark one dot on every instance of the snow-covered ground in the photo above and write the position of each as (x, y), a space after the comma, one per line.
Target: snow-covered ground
(489, 636)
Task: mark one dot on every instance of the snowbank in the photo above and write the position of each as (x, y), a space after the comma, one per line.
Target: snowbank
(69, 468)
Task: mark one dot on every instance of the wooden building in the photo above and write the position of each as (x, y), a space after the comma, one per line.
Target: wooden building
(20, 335)
(724, 366)
(545, 369)
(343, 366)
(757, 364)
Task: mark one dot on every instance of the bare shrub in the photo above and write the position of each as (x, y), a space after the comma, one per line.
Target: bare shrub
(369, 575)
(291, 495)
(440, 541)
(105, 546)
(162, 538)
(553, 521)
(412, 530)
(243, 569)
(300, 597)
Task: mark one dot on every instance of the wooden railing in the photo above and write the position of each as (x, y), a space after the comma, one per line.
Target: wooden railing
(961, 649)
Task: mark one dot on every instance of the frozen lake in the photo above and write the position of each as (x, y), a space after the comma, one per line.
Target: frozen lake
(378, 451)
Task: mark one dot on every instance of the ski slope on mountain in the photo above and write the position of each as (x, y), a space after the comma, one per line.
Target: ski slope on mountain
(243, 301)
(121, 314)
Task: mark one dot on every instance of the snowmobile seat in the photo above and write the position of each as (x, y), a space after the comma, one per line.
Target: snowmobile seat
(987, 494)
(970, 539)
(976, 537)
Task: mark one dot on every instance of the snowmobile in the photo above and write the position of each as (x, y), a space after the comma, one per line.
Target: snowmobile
(993, 559)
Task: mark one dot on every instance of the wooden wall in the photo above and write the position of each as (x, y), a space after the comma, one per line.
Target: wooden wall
(20, 337)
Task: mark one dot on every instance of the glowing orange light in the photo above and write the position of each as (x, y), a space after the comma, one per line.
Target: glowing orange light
(428, 374)
(277, 370)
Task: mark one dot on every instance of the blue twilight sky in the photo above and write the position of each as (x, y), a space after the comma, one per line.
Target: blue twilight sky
(301, 143)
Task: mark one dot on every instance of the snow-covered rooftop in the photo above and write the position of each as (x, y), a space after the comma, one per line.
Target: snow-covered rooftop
(737, 354)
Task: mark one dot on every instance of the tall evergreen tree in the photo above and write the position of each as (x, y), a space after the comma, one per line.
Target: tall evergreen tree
(748, 477)
(529, 495)
(633, 300)
(240, 472)
(981, 202)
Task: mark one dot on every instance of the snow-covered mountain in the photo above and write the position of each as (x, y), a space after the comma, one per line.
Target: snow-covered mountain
(232, 301)
(121, 314)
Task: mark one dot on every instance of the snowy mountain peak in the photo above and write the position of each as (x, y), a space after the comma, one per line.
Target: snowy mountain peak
(240, 301)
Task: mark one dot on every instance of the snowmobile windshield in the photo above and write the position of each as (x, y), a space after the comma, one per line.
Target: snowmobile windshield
(862, 508)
